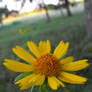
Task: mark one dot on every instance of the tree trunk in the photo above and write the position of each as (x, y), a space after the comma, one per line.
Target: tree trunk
(47, 14)
(88, 15)
(67, 8)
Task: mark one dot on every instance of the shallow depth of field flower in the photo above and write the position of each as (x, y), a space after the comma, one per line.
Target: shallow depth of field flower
(46, 67)
(21, 31)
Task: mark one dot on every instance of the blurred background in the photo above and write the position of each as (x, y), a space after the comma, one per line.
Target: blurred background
(54, 20)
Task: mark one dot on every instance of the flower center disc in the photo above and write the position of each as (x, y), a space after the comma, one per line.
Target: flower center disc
(47, 64)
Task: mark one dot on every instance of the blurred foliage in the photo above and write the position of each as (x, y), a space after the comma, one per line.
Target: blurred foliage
(4, 11)
(61, 28)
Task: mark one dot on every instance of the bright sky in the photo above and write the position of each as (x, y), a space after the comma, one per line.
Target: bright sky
(55, 2)
(13, 5)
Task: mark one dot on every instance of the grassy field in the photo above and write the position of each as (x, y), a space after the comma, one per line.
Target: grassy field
(61, 28)
(70, 29)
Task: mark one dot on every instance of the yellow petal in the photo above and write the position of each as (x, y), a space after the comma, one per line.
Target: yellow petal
(60, 46)
(40, 80)
(72, 78)
(44, 47)
(67, 60)
(54, 83)
(61, 49)
(17, 66)
(33, 48)
(23, 54)
(26, 86)
(59, 82)
(30, 80)
(24, 82)
(35, 78)
(75, 66)
(48, 46)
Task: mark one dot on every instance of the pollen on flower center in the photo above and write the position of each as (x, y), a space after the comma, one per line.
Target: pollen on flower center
(47, 64)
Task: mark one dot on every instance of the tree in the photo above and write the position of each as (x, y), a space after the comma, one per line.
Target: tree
(3, 11)
(67, 8)
(47, 14)
(88, 16)
(41, 5)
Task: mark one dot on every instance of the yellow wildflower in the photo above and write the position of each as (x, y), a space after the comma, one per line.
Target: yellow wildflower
(46, 65)
(21, 31)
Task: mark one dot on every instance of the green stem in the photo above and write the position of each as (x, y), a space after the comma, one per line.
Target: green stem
(32, 88)
(41, 89)
(46, 88)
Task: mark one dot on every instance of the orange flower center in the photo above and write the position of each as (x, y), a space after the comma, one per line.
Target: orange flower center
(47, 64)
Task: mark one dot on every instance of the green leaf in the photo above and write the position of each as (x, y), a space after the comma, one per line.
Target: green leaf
(22, 76)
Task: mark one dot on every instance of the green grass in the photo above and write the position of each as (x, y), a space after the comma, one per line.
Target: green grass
(11, 32)
(70, 29)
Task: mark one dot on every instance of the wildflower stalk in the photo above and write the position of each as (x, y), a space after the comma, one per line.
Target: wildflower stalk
(32, 88)
(43, 88)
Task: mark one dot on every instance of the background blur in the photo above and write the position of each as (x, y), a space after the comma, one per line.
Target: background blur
(54, 20)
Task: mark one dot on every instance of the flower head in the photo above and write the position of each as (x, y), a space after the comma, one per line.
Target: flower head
(21, 31)
(46, 65)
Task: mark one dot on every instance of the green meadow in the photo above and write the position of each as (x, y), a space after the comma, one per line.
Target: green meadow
(72, 29)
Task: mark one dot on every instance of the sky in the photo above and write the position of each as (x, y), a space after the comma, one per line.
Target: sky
(13, 5)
